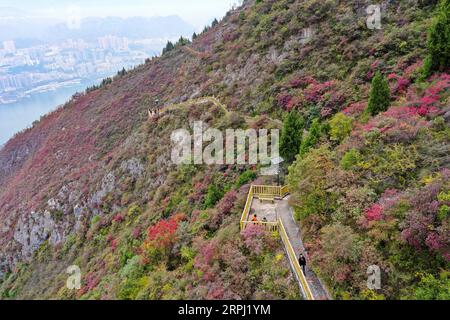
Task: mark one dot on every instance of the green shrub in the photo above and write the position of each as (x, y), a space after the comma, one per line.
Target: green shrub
(291, 137)
(350, 159)
(432, 288)
(213, 196)
(380, 95)
(444, 212)
(340, 127)
(312, 138)
(245, 178)
(95, 219)
(438, 58)
(134, 211)
(308, 180)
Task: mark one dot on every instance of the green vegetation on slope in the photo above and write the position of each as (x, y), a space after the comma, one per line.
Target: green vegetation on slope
(368, 189)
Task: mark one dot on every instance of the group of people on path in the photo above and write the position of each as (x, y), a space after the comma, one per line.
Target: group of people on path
(255, 219)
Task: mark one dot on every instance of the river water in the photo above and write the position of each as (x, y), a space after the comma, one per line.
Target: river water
(15, 117)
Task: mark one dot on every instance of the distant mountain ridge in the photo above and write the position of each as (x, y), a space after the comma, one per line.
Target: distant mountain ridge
(17, 27)
(134, 28)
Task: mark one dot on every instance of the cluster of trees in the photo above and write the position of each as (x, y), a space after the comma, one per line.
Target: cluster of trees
(295, 141)
(106, 81)
(438, 59)
(356, 183)
(171, 46)
(183, 41)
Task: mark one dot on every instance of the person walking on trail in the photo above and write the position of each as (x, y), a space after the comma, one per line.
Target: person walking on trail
(255, 218)
(302, 262)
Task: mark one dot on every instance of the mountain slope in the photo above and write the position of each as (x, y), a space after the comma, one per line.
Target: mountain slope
(91, 183)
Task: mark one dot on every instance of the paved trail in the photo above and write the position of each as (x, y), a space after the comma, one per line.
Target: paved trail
(286, 213)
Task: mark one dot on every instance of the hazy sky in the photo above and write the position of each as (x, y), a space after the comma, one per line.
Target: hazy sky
(197, 12)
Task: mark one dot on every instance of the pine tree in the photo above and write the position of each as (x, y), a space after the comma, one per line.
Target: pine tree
(380, 95)
(291, 136)
(213, 196)
(438, 58)
(182, 41)
(169, 47)
(122, 72)
(313, 137)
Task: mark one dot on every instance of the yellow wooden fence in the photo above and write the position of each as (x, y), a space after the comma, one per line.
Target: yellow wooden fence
(257, 190)
(293, 259)
(275, 191)
(248, 206)
(268, 226)
(279, 192)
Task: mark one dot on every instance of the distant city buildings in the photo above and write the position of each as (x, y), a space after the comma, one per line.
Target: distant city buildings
(25, 71)
(114, 43)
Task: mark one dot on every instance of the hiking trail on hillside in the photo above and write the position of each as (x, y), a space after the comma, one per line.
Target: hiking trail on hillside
(286, 213)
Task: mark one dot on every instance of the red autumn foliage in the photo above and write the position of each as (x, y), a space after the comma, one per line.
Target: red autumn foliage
(412, 69)
(375, 213)
(295, 103)
(137, 232)
(314, 92)
(227, 203)
(284, 99)
(254, 237)
(343, 273)
(208, 252)
(421, 228)
(114, 244)
(430, 102)
(355, 109)
(119, 218)
(302, 82)
(223, 209)
(399, 84)
(216, 293)
(163, 234)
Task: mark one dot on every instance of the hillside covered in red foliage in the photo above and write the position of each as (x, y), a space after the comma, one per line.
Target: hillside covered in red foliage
(91, 184)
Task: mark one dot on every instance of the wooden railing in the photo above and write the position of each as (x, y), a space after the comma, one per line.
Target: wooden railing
(293, 259)
(280, 192)
(284, 191)
(246, 212)
(266, 190)
(273, 191)
(268, 226)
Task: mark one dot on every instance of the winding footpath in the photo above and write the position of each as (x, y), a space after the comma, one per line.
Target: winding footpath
(282, 210)
(156, 113)
(286, 213)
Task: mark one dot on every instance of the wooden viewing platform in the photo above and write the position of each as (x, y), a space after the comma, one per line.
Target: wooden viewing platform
(274, 223)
